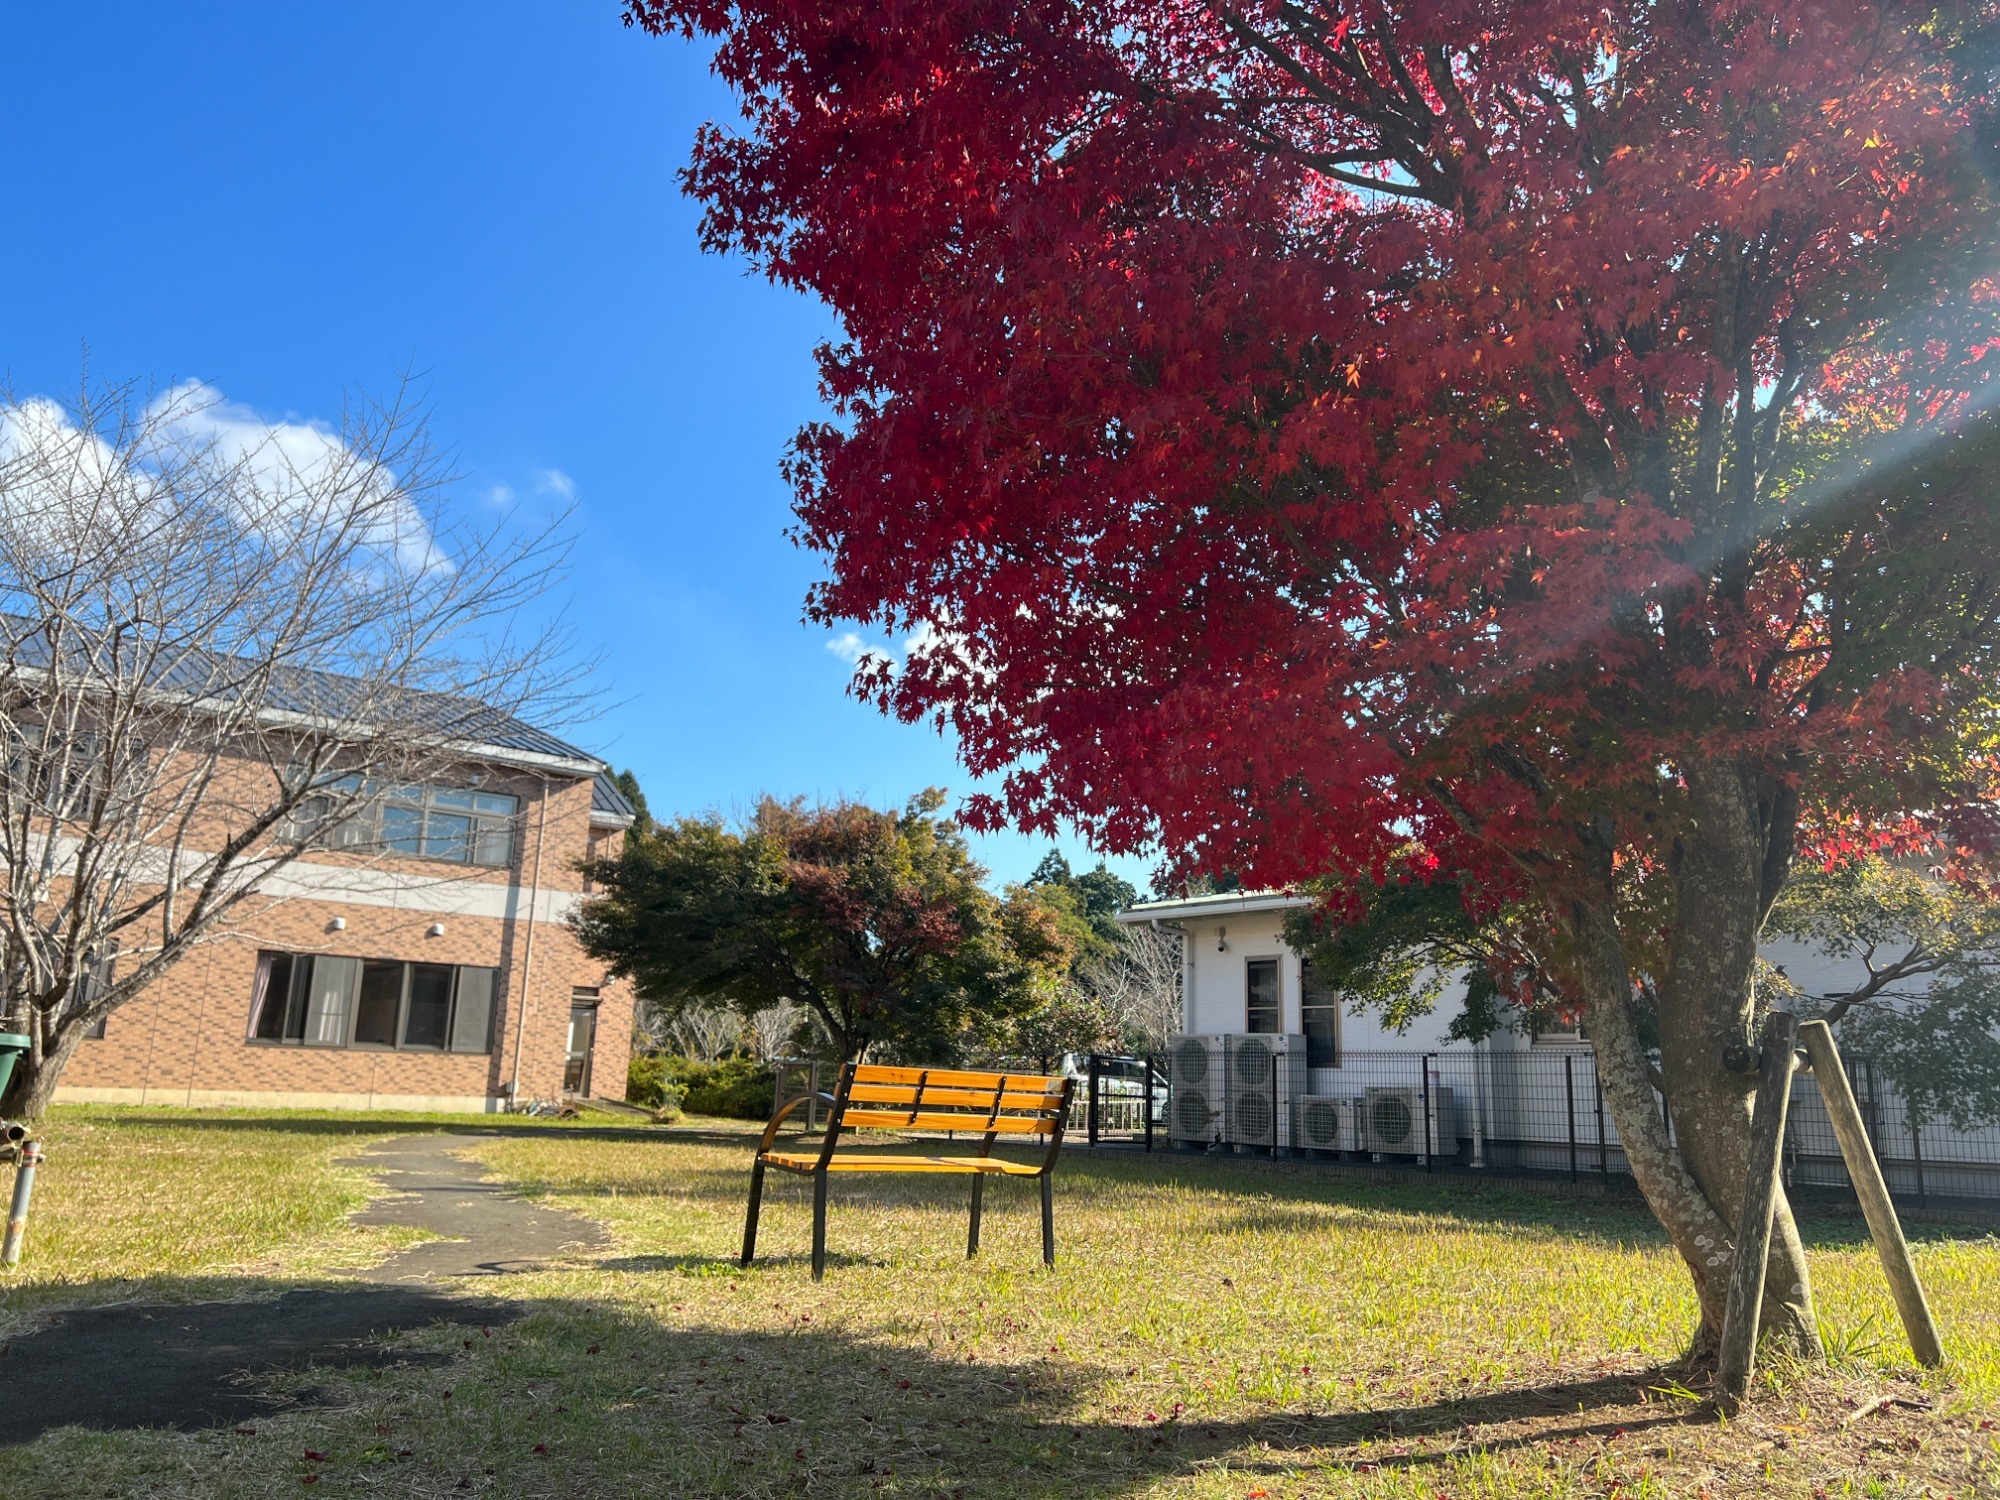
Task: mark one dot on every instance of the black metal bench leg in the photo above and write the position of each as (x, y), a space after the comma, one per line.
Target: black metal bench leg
(750, 1222)
(972, 1232)
(1048, 1220)
(819, 1225)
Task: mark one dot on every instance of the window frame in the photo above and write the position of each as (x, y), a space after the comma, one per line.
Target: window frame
(1277, 1006)
(297, 1005)
(487, 829)
(1326, 1054)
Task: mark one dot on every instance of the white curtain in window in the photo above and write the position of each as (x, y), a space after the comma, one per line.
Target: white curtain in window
(260, 991)
(330, 1006)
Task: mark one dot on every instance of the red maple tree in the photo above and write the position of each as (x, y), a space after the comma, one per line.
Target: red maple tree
(1528, 443)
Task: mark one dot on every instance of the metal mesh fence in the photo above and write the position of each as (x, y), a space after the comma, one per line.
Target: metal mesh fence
(1530, 1112)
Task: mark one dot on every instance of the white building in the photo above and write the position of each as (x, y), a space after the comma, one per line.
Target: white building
(1238, 975)
(1514, 1100)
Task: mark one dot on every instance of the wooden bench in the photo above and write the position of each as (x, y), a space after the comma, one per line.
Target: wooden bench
(1029, 1107)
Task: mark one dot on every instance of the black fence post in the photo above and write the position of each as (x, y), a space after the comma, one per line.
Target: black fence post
(1430, 1142)
(1274, 1108)
(1569, 1095)
(1597, 1100)
(1147, 1102)
(1871, 1117)
(1917, 1152)
(1091, 1109)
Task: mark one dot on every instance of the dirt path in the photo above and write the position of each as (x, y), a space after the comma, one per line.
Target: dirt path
(210, 1364)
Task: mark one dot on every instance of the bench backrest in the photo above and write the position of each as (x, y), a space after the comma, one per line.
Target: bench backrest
(1029, 1106)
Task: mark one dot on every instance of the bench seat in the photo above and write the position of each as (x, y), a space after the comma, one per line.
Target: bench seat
(855, 1161)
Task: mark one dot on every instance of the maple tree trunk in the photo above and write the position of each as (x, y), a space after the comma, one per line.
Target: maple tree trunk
(1694, 1183)
(1708, 1029)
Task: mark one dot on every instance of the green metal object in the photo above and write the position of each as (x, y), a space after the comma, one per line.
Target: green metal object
(12, 1045)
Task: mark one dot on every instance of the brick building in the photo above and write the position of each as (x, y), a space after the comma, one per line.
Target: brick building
(423, 965)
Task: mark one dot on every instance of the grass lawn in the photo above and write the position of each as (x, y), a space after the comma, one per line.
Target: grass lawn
(176, 1204)
(1213, 1328)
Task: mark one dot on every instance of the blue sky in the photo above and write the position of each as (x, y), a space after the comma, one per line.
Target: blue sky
(291, 203)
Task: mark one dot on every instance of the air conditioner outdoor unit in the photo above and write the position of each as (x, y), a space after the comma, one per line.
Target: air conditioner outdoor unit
(1324, 1123)
(1267, 1071)
(1392, 1122)
(1195, 1069)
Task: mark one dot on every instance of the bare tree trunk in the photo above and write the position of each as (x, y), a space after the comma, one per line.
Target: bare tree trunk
(32, 1088)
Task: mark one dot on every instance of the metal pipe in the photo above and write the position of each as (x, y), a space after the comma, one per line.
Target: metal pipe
(528, 959)
(30, 1157)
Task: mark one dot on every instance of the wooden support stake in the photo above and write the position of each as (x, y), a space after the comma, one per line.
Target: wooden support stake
(1866, 1174)
(1744, 1309)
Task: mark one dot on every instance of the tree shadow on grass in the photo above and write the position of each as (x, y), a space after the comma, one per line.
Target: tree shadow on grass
(192, 1365)
(356, 1124)
(622, 1398)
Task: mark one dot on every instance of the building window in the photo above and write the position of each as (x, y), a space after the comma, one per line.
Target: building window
(582, 1040)
(97, 978)
(426, 822)
(1261, 986)
(1319, 1017)
(320, 1000)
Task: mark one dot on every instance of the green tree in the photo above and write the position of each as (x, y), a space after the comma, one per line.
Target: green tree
(1928, 1011)
(628, 783)
(1090, 902)
(877, 921)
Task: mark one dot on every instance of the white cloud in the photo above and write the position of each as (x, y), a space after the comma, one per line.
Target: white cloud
(852, 649)
(927, 640)
(500, 496)
(301, 472)
(555, 482)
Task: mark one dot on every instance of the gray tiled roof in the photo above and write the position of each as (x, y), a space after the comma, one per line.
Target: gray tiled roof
(313, 693)
(607, 800)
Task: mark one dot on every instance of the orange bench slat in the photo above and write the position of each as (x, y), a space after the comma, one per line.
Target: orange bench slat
(911, 1094)
(958, 1078)
(976, 1124)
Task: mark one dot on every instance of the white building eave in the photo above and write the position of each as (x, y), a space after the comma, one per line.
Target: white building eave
(1198, 908)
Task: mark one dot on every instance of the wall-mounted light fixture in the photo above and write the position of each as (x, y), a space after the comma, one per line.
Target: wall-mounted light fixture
(1222, 940)
(338, 924)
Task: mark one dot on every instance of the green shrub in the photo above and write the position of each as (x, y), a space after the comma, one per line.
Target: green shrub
(737, 1087)
(646, 1079)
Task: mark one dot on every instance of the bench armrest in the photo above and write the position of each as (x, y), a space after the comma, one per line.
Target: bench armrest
(771, 1130)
